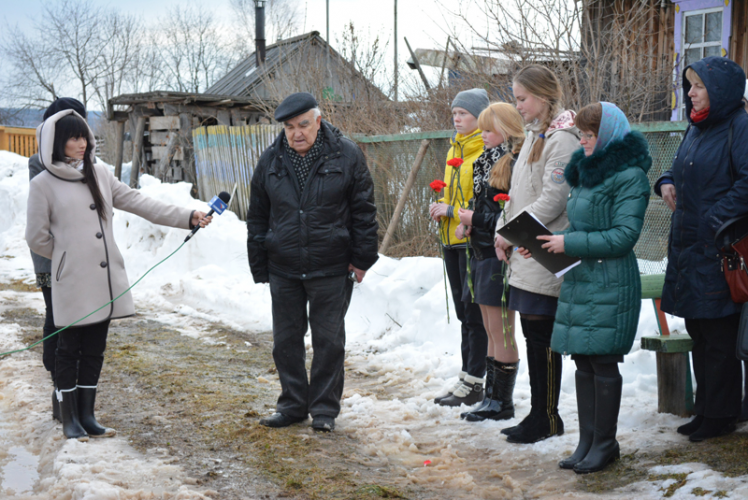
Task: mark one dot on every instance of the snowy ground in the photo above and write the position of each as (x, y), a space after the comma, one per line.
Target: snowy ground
(398, 336)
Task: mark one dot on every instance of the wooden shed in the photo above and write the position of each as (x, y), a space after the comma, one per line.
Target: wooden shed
(160, 123)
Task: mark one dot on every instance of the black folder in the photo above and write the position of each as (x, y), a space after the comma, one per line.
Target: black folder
(523, 231)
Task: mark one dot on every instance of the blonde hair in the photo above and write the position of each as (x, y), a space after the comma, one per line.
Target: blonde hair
(543, 84)
(503, 118)
(693, 77)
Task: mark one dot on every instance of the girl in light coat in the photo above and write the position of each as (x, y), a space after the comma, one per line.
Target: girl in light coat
(539, 187)
(69, 220)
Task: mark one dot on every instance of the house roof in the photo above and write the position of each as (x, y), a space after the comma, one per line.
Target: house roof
(246, 76)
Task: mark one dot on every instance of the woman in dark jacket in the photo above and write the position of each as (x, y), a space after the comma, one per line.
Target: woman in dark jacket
(503, 135)
(598, 309)
(707, 186)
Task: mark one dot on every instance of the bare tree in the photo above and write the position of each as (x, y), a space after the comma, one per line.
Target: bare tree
(366, 54)
(282, 18)
(193, 55)
(611, 51)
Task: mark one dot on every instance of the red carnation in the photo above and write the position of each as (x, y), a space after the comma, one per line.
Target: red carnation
(501, 197)
(455, 162)
(437, 185)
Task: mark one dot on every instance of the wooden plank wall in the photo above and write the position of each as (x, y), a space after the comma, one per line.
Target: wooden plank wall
(739, 35)
(659, 27)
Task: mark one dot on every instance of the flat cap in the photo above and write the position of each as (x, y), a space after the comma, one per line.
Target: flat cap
(295, 105)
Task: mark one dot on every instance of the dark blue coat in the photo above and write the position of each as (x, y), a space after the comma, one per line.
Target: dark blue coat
(708, 194)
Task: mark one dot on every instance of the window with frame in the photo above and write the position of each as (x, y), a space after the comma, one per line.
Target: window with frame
(701, 37)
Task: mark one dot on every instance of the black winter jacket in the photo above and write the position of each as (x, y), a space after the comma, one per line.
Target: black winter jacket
(319, 232)
(485, 216)
(708, 194)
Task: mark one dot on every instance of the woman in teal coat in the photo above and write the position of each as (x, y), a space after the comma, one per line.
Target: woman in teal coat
(598, 310)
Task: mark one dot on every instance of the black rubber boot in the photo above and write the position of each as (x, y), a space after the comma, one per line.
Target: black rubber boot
(501, 406)
(545, 420)
(586, 408)
(86, 401)
(488, 391)
(604, 449)
(71, 426)
(55, 407)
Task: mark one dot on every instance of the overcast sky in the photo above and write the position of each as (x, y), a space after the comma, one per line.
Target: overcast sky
(419, 20)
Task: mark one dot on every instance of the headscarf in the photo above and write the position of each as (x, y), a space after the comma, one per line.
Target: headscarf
(613, 126)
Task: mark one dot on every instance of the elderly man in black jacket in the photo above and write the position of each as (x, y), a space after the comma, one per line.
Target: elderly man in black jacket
(312, 231)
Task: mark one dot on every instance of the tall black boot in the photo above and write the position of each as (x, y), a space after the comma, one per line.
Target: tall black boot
(604, 449)
(71, 426)
(586, 408)
(545, 420)
(501, 406)
(86, 401)
(490, 370)
(55, 407)
(534, 390)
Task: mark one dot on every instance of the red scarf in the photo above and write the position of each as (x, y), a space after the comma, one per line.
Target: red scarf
(696, 117)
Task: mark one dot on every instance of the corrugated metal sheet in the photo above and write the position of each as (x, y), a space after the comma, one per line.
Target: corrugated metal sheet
(245, 76)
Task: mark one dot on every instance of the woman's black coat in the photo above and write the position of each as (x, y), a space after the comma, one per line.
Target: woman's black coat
(317, 232)
(710, 190)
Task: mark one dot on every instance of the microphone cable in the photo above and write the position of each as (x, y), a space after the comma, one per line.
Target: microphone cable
(2, 354)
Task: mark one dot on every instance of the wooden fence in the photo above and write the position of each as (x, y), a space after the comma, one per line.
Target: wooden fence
(18, 140)
(225, 156)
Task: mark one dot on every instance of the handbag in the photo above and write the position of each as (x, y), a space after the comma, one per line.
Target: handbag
(741, 350)
(736, 273)
(732, 236)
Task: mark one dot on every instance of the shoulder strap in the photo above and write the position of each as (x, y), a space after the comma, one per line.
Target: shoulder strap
(729, 153)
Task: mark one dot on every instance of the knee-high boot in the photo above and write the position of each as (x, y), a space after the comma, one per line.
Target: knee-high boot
(744, 409)
(55, 407)
(86, 401)
(604, 449)
(534, 389)
(71, 426)
(544, 420)
(586, 408)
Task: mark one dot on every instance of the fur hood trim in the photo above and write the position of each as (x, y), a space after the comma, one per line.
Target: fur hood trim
(588, 171)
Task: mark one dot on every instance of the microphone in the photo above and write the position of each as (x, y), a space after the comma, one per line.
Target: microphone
(217, 204)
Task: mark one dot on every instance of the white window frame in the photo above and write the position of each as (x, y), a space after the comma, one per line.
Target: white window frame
(686, 46)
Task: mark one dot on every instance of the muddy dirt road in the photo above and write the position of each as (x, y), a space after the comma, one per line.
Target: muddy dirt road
(190, 396)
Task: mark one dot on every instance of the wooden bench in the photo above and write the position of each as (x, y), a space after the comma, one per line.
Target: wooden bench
(674, 387)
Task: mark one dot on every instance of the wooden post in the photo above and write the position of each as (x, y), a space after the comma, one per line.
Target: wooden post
(164, 163)
(137, 150)
(671, 388)
(119, 147)
(418, 66)
(188, 152)
(404, 196)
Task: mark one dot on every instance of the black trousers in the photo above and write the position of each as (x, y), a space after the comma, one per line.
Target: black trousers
(80, 356)
(49, 345)
(718, 371)
(474, 344)
(597, 365)
(328, 300)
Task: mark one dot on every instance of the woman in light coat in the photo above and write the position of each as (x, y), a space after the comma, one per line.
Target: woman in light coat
(539, 187)
(69, 220)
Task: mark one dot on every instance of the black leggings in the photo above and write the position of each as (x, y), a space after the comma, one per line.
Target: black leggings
(80, 356)
(50, 345)
(589, 364)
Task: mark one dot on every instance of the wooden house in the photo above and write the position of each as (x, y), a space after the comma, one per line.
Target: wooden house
(678, 32)
(161, 123)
